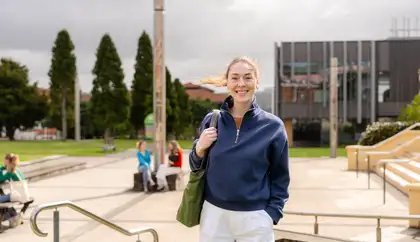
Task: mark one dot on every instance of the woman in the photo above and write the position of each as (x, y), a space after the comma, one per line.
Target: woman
(11, 172)
(173, 167)
(143, 156)
(247, 176)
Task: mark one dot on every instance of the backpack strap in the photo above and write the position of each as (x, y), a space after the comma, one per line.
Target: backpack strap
(214, 118)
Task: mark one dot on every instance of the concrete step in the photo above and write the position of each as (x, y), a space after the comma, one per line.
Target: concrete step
(394, 179)
(50, 168)
(291, 236)
(404, 172)
(412, 165)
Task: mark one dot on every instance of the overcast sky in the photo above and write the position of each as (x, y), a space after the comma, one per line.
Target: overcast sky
(201, 36)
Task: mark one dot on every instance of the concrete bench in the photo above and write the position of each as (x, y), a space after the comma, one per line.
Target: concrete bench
(138, 182)
(170, 179)
(107, 147)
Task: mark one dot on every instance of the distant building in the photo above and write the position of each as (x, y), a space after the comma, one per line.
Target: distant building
(199, 92)
(376, 78)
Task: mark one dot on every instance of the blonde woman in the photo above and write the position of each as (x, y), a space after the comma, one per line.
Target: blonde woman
(173, 167)
(11, 173)
(247, 176)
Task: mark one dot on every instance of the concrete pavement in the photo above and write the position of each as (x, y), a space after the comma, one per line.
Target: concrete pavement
(320, 185)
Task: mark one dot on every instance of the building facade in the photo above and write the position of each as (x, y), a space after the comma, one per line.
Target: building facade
(376, 78)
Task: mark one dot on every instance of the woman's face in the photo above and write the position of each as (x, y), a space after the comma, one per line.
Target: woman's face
(170, 146)
(142, 146)
(242, 82)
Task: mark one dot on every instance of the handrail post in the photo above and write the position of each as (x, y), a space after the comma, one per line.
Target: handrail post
(316, 226)
(368, 170)
(56, 223)
(378, 230)
(384, 184)
(356, 153)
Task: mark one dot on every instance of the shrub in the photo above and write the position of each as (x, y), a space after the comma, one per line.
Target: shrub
(379, 131)
(412, 111)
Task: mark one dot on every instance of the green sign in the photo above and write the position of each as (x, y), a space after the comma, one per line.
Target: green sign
(149, 126)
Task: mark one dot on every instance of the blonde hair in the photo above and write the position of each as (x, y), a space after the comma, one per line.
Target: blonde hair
(175, 147)
(221, 80)
(12, 162)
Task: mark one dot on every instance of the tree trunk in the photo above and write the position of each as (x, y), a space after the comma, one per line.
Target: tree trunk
(63, 116)
(10, 133)
(106, 136)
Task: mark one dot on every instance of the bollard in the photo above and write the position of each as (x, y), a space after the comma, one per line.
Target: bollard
(56, 221)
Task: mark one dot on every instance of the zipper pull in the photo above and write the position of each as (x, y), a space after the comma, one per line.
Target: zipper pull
(237, 135)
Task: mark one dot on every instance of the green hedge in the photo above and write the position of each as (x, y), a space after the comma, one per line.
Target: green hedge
(379, 131)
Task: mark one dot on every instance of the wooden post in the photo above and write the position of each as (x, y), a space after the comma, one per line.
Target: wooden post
(333, 108)
(159, 85)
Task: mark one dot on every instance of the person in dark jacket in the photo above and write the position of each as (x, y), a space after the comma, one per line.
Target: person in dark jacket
(247, 176)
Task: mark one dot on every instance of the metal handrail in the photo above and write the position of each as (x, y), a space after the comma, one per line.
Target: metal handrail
(69, 204)
(397, 148)
(378, 218)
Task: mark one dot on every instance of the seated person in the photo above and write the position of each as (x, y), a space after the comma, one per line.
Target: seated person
(143, 157)
(10, 172)
(173, 167)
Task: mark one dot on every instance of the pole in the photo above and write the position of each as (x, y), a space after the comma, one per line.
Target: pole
(333, 108)
(76, 110)
(159, 86)
(368, 170)
(384, 185)
(418, 73)
(56, 225)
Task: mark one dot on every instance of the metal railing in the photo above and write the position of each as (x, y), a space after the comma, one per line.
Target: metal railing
(381, 163)
(378, 218)
(69, 204)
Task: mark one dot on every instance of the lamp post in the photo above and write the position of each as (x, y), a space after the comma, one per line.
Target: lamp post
(159, 85)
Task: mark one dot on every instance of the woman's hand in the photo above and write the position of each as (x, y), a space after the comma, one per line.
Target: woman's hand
(207, 137)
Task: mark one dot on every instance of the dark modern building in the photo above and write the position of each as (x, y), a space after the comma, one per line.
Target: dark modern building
(376, 78)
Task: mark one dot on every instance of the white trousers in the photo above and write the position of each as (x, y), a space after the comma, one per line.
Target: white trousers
(220, 225)
(163, 171)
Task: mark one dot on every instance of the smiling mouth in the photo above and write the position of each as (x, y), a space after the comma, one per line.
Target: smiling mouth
(242, 92)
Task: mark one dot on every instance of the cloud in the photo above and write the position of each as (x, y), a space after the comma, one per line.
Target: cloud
(201, 37)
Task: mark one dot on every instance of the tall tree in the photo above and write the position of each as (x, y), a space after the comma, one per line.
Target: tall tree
(142, 86)
(62, 75)
(185, 115)
(21, 104)
(110, 101)
(172, 108)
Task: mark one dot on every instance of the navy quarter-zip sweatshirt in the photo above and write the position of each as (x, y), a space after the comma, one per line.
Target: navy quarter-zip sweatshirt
(248, 169)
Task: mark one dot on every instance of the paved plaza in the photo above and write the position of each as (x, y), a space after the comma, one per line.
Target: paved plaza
(104, 188)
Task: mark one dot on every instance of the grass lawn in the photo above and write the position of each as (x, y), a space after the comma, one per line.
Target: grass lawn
(29, 150)
(315, 152)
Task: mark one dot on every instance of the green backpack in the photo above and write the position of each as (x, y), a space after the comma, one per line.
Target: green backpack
(189, 210)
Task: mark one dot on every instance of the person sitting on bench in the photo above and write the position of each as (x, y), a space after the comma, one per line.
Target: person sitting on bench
(10, 172)
(143, 156)
(173, 167)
